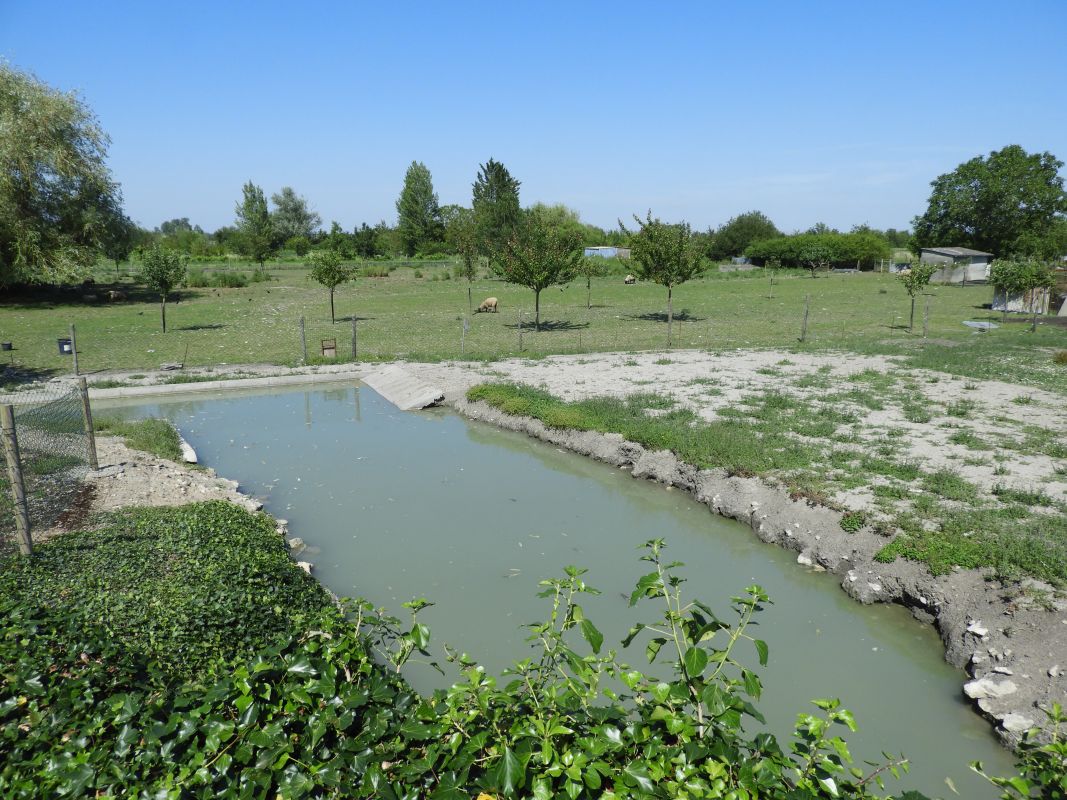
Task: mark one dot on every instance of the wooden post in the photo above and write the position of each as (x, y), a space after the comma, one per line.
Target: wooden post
(926, 317)
(303, 341)
(355, 349)
(804, 324)
(74, 347)
(14, 474)
(87, 418)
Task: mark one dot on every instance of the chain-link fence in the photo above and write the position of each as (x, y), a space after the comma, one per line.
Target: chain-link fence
(46, 434)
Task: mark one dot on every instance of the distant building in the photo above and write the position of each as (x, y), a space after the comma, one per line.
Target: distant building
(608, 251)
(957, 264)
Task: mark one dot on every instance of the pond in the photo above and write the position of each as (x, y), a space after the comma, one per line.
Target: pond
(399, 505)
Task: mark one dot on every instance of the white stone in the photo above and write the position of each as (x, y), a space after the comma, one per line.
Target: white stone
(978, 629)
(875, 587)
(1054, 671)
(305, 565)
(987, 688)
(804, 560)
(1016, 723)
(1003, 671)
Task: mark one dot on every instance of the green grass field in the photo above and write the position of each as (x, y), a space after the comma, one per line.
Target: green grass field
(421, 318)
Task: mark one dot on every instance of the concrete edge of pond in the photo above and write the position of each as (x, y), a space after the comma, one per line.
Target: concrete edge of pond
(225, 384)
(1012, 650)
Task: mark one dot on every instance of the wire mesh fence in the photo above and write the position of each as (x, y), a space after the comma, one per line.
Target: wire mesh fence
(52, 445)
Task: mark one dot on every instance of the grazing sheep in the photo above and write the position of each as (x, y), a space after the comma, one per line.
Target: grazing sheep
(488, 304)
(114, 296)
(629, 280)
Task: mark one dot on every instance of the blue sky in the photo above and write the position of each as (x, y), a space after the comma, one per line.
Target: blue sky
(808, 111)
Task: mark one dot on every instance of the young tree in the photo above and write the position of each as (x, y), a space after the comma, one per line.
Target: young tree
(292, 217)
(815, 256)
(591, 267)
(537, 256)
(163, 270)
(57, 197)
(418, 212)
(256, 237)
(1019, 278)
(914, 281)
(495, 202)
(1001, 204)
(327, 269)
(462, 235)
(665, 254)
(299, 245)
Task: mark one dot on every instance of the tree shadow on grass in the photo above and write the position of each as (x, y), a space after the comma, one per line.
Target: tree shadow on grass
(12, 377)
(661, 316)
(550, 326)
(357, 318)
(214, 326)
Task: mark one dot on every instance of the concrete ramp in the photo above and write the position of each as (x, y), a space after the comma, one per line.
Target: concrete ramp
(403, 389)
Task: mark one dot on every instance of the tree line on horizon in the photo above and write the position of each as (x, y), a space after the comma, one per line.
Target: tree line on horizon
(61, 210)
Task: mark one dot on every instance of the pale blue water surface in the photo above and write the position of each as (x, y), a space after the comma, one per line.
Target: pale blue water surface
(400, 505)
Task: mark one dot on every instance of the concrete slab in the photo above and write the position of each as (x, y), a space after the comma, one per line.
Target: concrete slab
(403, 389)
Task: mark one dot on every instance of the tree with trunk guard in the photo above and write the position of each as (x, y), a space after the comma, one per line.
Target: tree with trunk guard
(539, 255)
(327, 269)
(664, 253)
(163, 270)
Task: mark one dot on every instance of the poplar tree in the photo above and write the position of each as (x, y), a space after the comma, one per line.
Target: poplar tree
(418, 212)
(255, 231)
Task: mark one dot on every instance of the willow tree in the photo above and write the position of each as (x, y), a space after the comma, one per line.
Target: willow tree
(58, 202)
(665, 254)
(539, 255)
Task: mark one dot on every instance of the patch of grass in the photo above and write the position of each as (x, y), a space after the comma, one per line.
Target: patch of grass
(894, 491)
(960, 408)
(49, 464)
(1025, 497)
(969, 440)
(155, 436)
(1060, 357)
(738, 446)
(1023, 400)
(917, 412)
(901, 470)
(853, 521)
(949, 485)
(662, 361)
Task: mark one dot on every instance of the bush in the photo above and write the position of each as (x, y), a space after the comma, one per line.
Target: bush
(375, 272)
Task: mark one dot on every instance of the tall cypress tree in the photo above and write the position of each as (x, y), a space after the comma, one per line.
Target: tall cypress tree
(496, 206)
(418, 212)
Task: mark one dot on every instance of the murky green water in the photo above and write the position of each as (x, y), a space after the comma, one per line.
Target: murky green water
(398, 505)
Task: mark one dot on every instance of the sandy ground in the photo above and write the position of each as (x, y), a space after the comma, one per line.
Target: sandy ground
(1014, 649)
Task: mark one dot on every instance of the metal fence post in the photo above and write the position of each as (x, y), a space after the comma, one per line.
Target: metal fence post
(87, 418)
(804, 324)
(355, 349)
(74, 347)
(303, 341)
(926, 317)
(14, 474)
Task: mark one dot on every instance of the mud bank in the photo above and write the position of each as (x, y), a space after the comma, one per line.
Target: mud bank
(1013, 648)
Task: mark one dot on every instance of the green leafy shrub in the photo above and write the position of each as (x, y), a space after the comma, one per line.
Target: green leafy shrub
(853, 521)
(180, 587)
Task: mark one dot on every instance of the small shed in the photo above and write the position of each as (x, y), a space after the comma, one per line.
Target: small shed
(608, 251)
(960, 265)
